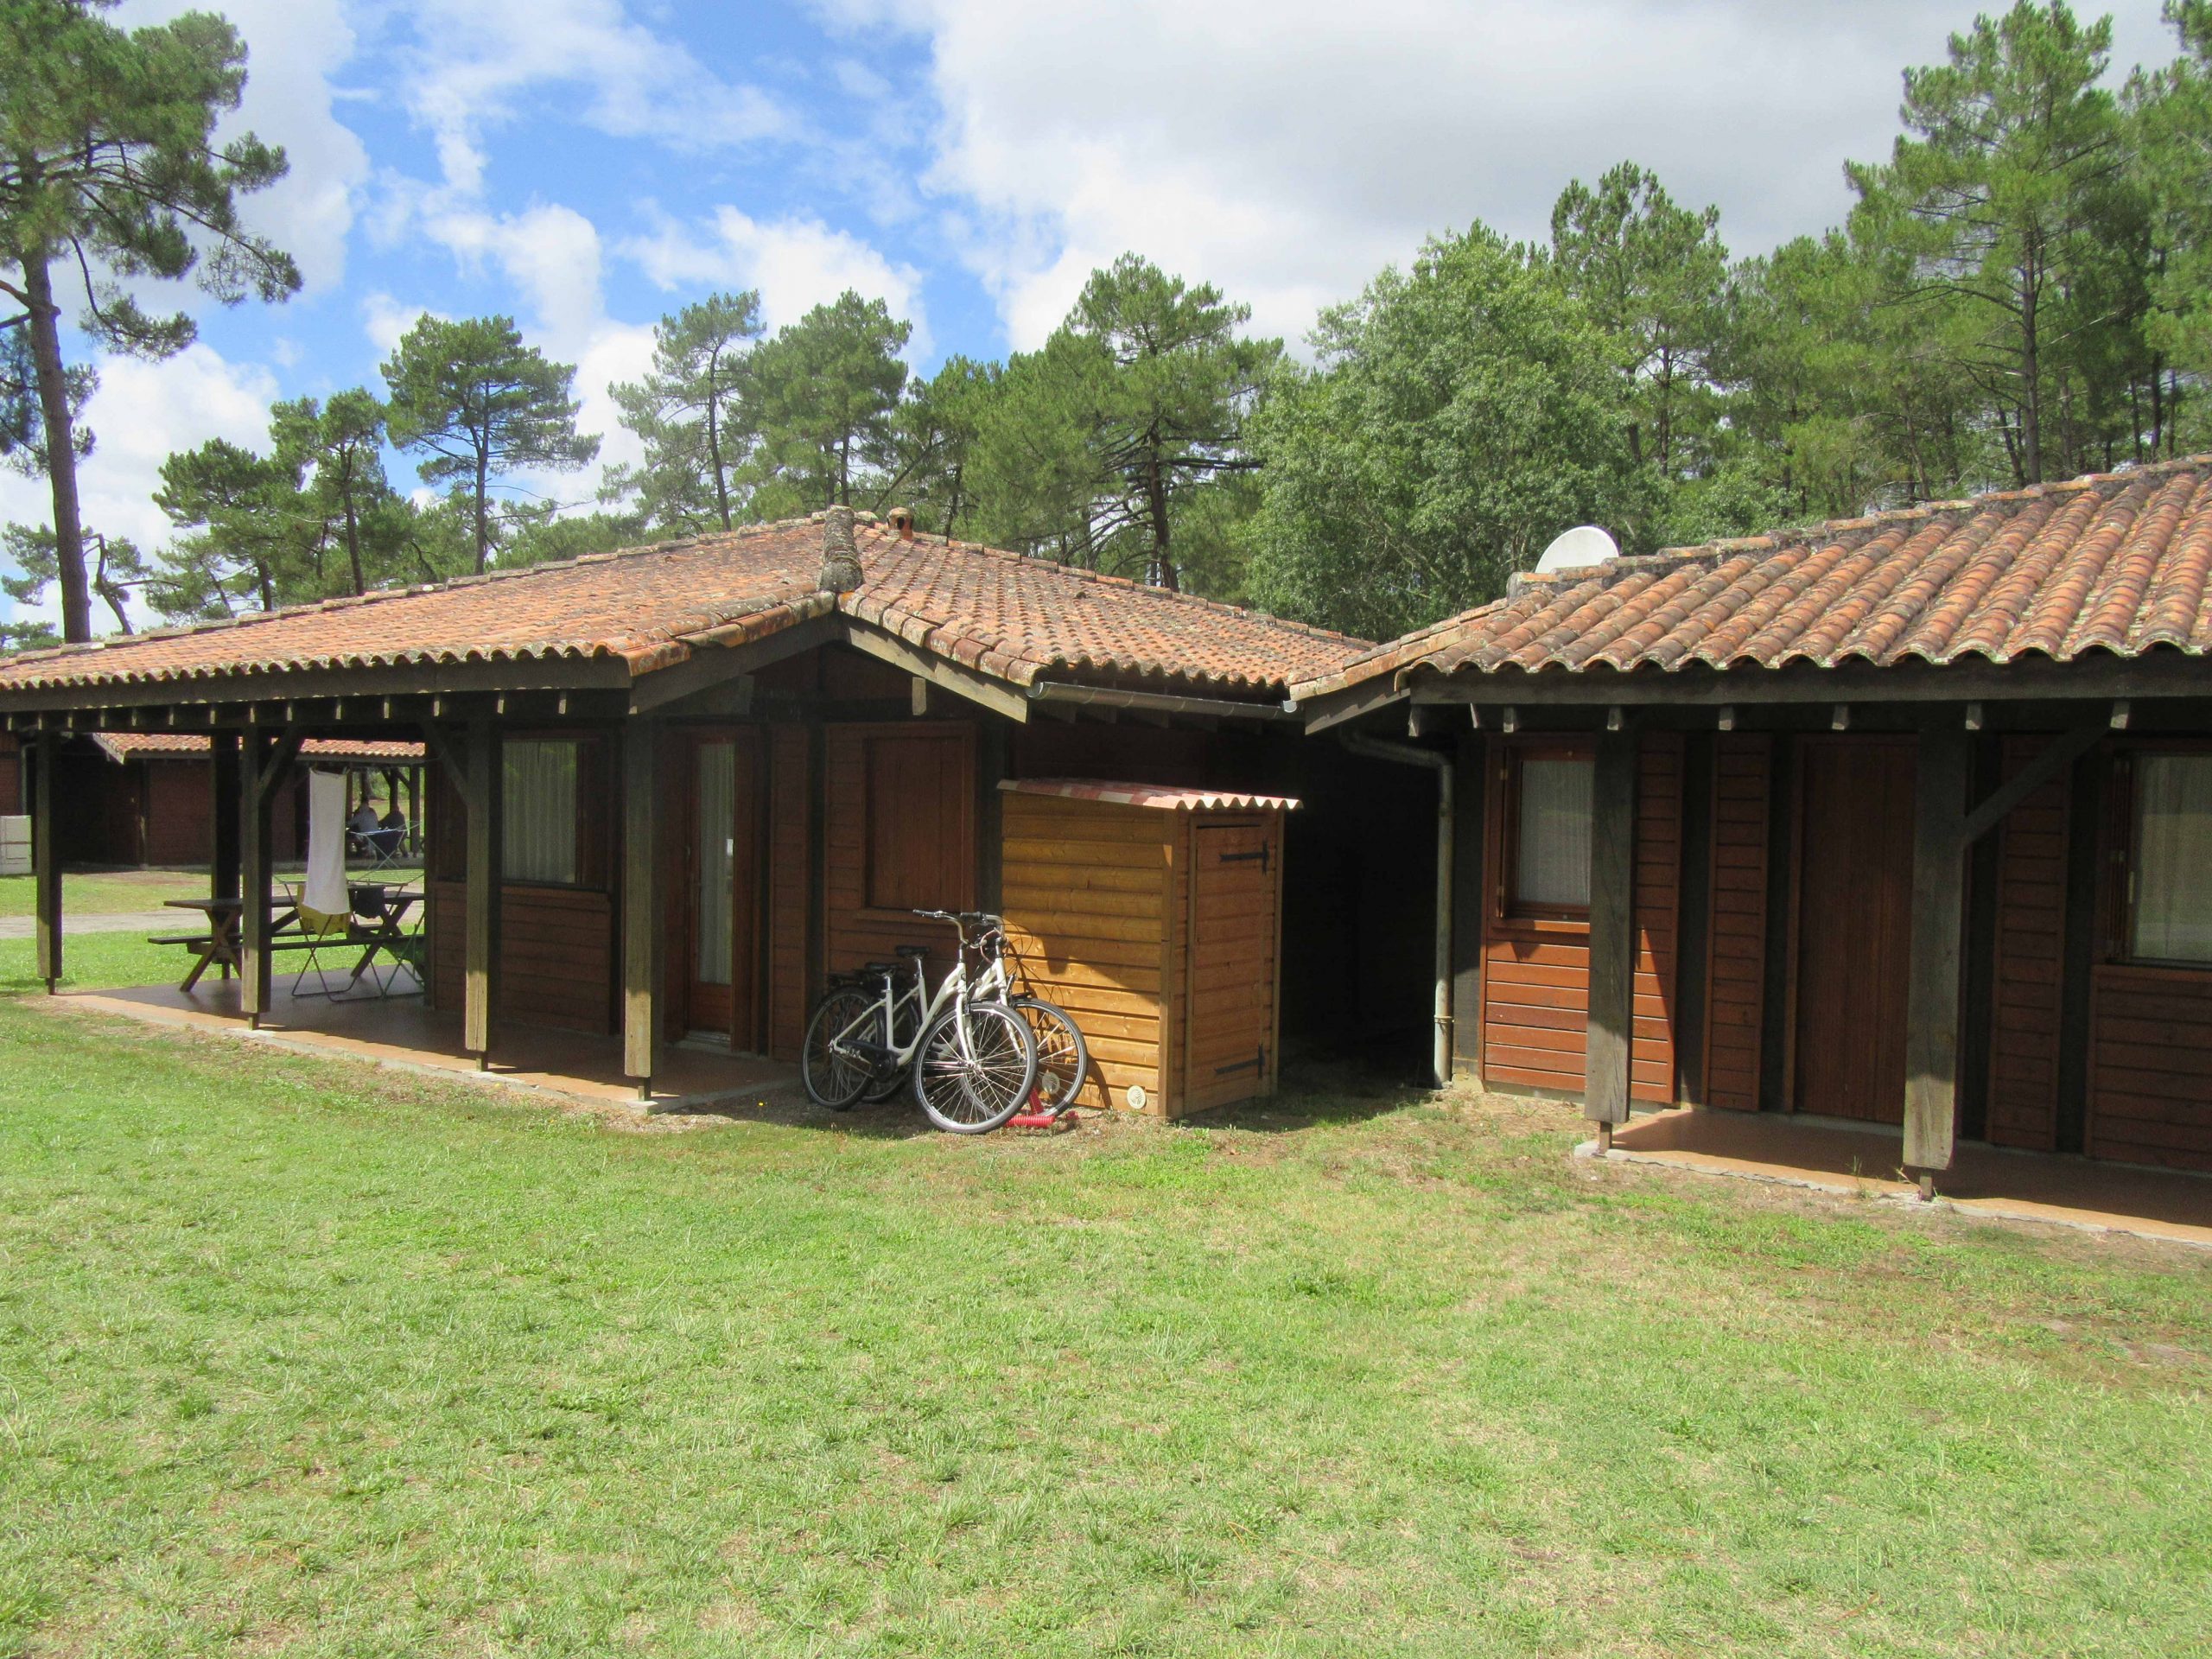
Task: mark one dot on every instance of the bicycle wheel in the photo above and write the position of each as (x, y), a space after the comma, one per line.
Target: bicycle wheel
(975, 1068)
(1063, 1057)
(833, 1075)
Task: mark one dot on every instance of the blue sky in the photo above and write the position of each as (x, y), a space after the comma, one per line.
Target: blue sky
(585, 165)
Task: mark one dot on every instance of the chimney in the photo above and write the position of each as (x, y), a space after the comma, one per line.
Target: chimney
(840, 557)
(902, 522)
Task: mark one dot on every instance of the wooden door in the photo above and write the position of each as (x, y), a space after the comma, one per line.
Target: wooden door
(1236, 872)
(720, 959)
(1854, 921)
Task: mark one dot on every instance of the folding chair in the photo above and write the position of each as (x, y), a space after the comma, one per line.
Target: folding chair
(323, 932)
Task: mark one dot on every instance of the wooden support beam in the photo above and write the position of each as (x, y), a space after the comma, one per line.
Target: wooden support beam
(262, 766)
(939, 671)
(1613, 930)
(223, 871)
(641, 912)
(46, 861)
(1931, 1029)
(2056, 755)
(1468, 906)
(480, 961)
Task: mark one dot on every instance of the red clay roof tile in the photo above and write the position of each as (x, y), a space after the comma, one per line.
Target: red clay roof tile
(1018, 619)
(2118, 562)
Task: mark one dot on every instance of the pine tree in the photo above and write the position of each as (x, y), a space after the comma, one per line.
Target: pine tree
(109, 169)
(482, 406)
(688, 412)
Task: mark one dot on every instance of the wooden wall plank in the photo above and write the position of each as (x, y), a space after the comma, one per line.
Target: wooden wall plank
(1735, 965)
(2028, 964)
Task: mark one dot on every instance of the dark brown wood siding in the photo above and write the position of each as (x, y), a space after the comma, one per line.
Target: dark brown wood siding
(180, 812)
(854, 931)
(1742, 772)
(2151, 1067)
(1536, 973)
(788, 828)
(556, 954)
(2028, 962)
(1657, 907)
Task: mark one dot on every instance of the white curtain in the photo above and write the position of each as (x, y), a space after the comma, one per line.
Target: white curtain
(325, 885)
(1552, 853)
(538, 815)
(717, 827)
(2173, 858)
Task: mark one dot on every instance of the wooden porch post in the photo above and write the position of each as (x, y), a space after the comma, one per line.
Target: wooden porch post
(223, 856)
(482, 965)
(1932, 1030)
(1612, 933)
(1470, 766)
(46, 861)
(641, 914)
(262, 767)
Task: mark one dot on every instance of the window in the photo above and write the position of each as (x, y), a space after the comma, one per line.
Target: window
(920, 798)
(538, 813)
(1548, 803)
(2170, 875)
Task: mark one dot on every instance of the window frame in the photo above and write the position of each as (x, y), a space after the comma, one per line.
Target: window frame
(1506, 905)
(2122, 853)
(447, 846)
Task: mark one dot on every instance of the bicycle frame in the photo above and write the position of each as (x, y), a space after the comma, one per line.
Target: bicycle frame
(991, 985)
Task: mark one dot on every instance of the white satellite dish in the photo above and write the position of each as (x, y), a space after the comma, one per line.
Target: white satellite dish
(1577, 549)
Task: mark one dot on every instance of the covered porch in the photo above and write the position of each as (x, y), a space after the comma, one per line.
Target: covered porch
(405, 1034)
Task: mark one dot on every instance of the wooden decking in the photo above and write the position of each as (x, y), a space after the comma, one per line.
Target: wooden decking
(1983, 1179)
(402, 1031)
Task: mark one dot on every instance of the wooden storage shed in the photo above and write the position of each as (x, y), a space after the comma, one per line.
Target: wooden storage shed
(1154, 917)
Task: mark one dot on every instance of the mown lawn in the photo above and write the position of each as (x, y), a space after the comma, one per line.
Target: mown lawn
(106, 892)
(301, 1358)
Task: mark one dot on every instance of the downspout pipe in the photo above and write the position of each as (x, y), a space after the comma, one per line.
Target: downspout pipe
(1406, 754)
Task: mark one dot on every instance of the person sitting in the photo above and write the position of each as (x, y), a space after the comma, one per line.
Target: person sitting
(364, 820)
(391, 830)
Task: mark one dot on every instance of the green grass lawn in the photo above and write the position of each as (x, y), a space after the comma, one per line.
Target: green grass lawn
(108, 893)
(301, 1358)
(116, 893)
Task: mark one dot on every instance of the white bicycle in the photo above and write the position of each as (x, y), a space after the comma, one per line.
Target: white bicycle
(972, 1058)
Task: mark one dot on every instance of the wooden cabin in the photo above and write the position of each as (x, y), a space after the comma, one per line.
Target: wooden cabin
(1905, 822)
(673, 790)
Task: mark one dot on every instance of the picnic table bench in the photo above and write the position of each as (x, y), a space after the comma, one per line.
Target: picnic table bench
(221, 946)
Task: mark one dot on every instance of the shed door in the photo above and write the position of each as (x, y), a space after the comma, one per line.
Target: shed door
(1854, 922)
(1235, 868)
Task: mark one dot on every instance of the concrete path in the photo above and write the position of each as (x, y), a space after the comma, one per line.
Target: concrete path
(136, 921)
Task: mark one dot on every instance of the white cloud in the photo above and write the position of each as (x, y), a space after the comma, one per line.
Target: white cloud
(142, 413)
(795, 263)
(473, 57)
(292, 48)
(1286, 149)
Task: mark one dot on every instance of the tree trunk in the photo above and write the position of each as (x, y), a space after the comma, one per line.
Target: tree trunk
(1155, 490)
(353, 544)
(2030, 376)
(60, 452)
(483, 528)
(714, 454)
(109, 593)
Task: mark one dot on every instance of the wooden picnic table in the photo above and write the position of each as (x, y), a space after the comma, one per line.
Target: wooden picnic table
(221, 946)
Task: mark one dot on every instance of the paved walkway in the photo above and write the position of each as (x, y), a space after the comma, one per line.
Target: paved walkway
(135, 921)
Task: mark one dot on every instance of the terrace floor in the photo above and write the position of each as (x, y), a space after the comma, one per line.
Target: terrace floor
(1982, 1180)
(400, 1031)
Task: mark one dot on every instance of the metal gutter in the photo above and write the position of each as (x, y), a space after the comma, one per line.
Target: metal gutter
(1160, 703)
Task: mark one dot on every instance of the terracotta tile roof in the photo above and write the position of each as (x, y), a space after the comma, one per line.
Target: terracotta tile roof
(1156, 796)
(1017, 619)
(189, 746)
(2117, 564)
